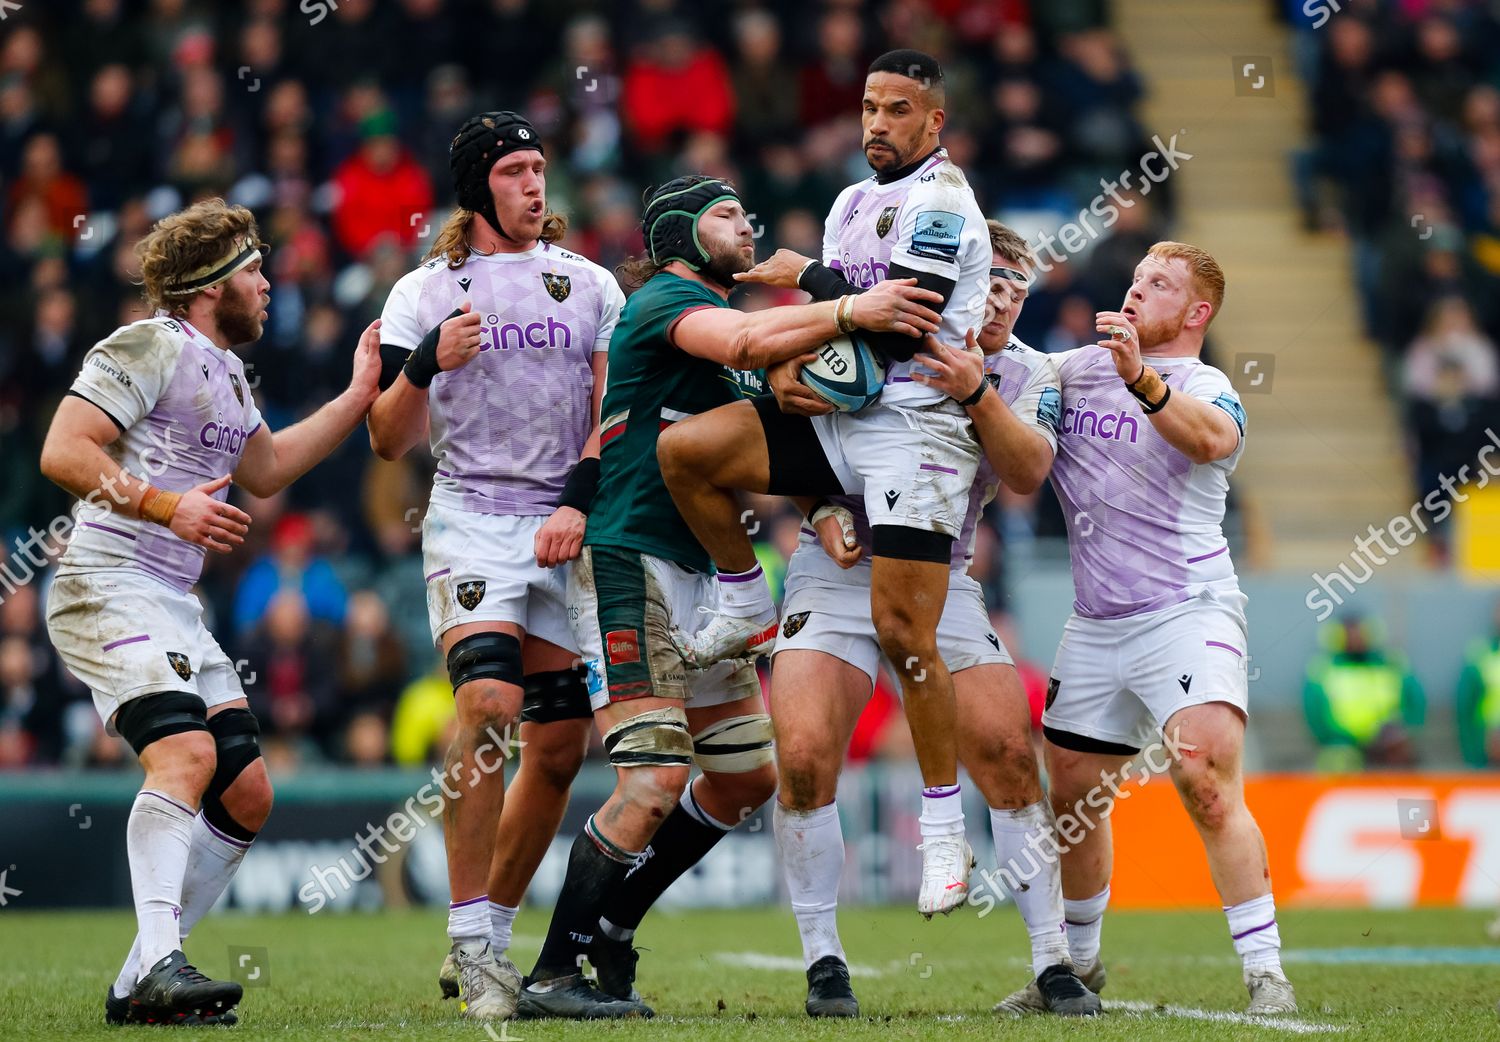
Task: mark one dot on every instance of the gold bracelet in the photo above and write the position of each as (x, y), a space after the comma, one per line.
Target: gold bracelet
(844, 313)
(158, 506)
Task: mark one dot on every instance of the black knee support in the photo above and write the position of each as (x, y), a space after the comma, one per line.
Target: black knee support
(235, 734)
(557, 694)
(150, 718)
(485, 656)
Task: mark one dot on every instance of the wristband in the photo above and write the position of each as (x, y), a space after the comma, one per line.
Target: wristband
(582, 485)
(973, 399)
(844, 313)
(1146, 386)
(422, 364)
(158, 507)
(823, 283)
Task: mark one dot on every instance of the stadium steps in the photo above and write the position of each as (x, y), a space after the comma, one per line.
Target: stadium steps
(1325, 457)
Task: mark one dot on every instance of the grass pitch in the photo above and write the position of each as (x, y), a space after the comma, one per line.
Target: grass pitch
(1423, 975)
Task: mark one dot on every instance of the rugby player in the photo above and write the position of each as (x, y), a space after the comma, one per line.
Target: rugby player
(678, 350)
(912, 455)
(1157, 641)
(825, 661)
(158, 421)
(495, 347)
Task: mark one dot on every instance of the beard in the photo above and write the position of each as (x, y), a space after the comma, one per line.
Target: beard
(725, 261)
(238, 319)
(1160, 331)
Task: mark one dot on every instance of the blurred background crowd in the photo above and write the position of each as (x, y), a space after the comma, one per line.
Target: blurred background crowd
(1403, 157)
(331, 120)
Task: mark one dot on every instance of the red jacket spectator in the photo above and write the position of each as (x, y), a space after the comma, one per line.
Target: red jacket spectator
(43, 178)
(381, 188)
(676, 85)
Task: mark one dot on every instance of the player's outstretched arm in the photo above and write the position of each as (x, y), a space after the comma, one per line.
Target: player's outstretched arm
(73, 457)
(1200, 431)
(755, 340)
(1021, 457)
(274, 461)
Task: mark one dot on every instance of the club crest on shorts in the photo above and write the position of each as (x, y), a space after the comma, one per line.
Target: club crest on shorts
(557, 285)
(1052, 686)
(794, 623)
(885, 220)
(622, 646)
(239, 392)
(470, 594)
(180, 665)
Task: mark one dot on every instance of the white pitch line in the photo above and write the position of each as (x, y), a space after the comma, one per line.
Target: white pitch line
(762, 961)
(1276, 1023)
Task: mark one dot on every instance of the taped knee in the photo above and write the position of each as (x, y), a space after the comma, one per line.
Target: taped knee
(485, 656)
(151, 718)
(734, 745)
(237, 743)
(558, 694)
(658, 738)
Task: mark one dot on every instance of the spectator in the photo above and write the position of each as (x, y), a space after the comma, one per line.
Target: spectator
(1362, 703)
(371, 660)
(676, 85)
(832, 83)
(291, 688)
(1479, 700)
(765, 108)
(43, 180)
(290, 566)
(383, 193)
(1451, 338)
(425, 719)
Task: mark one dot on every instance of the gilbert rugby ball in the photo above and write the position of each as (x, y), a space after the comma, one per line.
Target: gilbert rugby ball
(847, 374)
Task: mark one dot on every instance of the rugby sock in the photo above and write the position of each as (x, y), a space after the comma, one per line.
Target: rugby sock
(812, 859)
(502, 917)
(1019, 837)
(596, 867)
(158, 839)
(213, 860)
(469, 920)
(1085, 918)
(942, 811)
(746, 595)
(684, 839)
(1257, 939)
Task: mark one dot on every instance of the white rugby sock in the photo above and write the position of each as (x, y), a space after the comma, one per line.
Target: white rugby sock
(942, 811)
(213, 860)
(812, 859)
(158, 839)
(469, 921)
(502, 917)
(1257, 939)
(1020, 851)
(746, 595)
(1085, 919)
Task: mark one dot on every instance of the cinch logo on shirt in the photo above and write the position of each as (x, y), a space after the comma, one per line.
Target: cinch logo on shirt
(1109, 426)
(504, 337)
(864, 274)
(223, 438)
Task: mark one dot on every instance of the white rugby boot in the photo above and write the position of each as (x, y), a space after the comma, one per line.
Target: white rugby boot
(726, 636)
(489, 986)
(946, 864)
(1270, 992)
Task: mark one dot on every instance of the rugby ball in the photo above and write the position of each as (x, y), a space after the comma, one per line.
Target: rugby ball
(847, 374)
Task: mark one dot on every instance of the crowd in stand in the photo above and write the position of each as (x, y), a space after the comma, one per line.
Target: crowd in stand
(1404, 158)
(331, 121)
